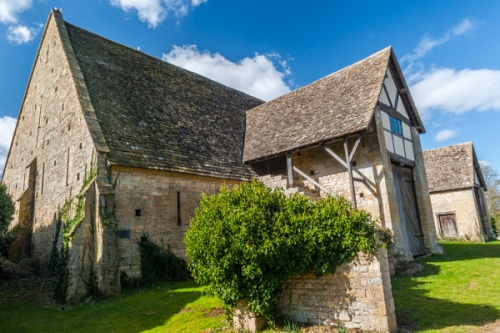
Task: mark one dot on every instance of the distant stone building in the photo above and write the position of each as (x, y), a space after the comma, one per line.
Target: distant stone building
(119, 145)
(353, 133)
(457, 188)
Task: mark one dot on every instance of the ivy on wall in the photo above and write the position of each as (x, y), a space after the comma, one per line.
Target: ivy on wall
(69, 217)
(243, 243)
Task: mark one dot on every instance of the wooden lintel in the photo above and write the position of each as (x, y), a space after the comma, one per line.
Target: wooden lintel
(300, 172)
(289, 168)
(335, 156)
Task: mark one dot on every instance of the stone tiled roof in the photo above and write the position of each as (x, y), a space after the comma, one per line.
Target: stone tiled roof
(451, 167)
(155, 115)
(332, 107)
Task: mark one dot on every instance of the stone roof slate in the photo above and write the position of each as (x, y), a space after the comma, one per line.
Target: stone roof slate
(332, 107)
(451, 167)
(158, 116)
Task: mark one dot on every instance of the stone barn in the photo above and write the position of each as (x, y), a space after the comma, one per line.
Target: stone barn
(112, 145)
(129, 141)
(457, 188)
(353, 133)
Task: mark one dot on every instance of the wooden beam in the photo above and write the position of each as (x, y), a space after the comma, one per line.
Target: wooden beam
(311, 180)
(335, 156)
(289, 169)
(349, 171)
(356, 145)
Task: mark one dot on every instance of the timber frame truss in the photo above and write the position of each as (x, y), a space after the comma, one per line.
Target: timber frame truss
(347, 163)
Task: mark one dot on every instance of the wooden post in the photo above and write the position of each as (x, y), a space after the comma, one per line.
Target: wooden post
(349, 170)
(289, 168)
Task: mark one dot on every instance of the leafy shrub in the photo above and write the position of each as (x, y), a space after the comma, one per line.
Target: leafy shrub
(7, 210)
(158, 264)
(494, 225)
(243, 243)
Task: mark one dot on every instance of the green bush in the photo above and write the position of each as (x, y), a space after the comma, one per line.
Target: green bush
(494, 225)
(243, 243)
(7, 210)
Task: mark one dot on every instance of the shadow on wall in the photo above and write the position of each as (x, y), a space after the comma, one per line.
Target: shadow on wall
(426, 301)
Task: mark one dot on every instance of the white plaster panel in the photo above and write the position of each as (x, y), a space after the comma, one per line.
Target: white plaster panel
(386, 123)
(401, 108)
(398, 146)
(392, 90)
(388, 141)
(406, 131)
(409, 150)
(383, 97)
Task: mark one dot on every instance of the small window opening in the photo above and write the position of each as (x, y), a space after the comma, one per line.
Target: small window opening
(311, 173)
(55, 163)
(56, 87)
(48, 142)
(78, 176)
(396, 126)
(138, 213)
(69, 127)
(81, 145)
(46, 120)
(361, 195)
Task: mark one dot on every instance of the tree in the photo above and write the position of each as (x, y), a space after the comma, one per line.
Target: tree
(7, 210)
(492, 180)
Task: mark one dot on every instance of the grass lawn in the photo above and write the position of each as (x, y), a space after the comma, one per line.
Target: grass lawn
(167, 307)
(456, 292)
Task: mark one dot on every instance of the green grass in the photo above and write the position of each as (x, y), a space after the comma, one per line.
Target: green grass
(456, 292)
(167, 307)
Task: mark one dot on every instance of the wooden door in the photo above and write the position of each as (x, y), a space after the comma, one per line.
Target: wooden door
(448, 225)
(408, 209)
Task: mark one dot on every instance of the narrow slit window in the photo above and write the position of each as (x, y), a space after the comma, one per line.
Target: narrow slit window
(138, 213)
(67, 169)
(179, 222)
(43, 177)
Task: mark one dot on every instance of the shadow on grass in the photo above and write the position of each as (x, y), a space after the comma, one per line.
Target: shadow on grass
(416, 310)
(135, 311)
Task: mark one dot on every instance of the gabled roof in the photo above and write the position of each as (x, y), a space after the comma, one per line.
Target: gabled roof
(335, 106)
(452, 167)
(155, 115)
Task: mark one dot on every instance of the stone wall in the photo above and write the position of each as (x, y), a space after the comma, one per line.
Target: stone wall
(52, 136)
(358, 296)
(146, 204)
(463, 204)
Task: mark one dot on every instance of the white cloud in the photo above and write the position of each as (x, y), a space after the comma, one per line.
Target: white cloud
(427, 43)
(445, 135)
(20, 34)
(7, 126)
(457, 91)
(10, 9)
(256, 76)
(155, 11)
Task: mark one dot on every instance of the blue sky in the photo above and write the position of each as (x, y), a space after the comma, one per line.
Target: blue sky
(449, 50)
